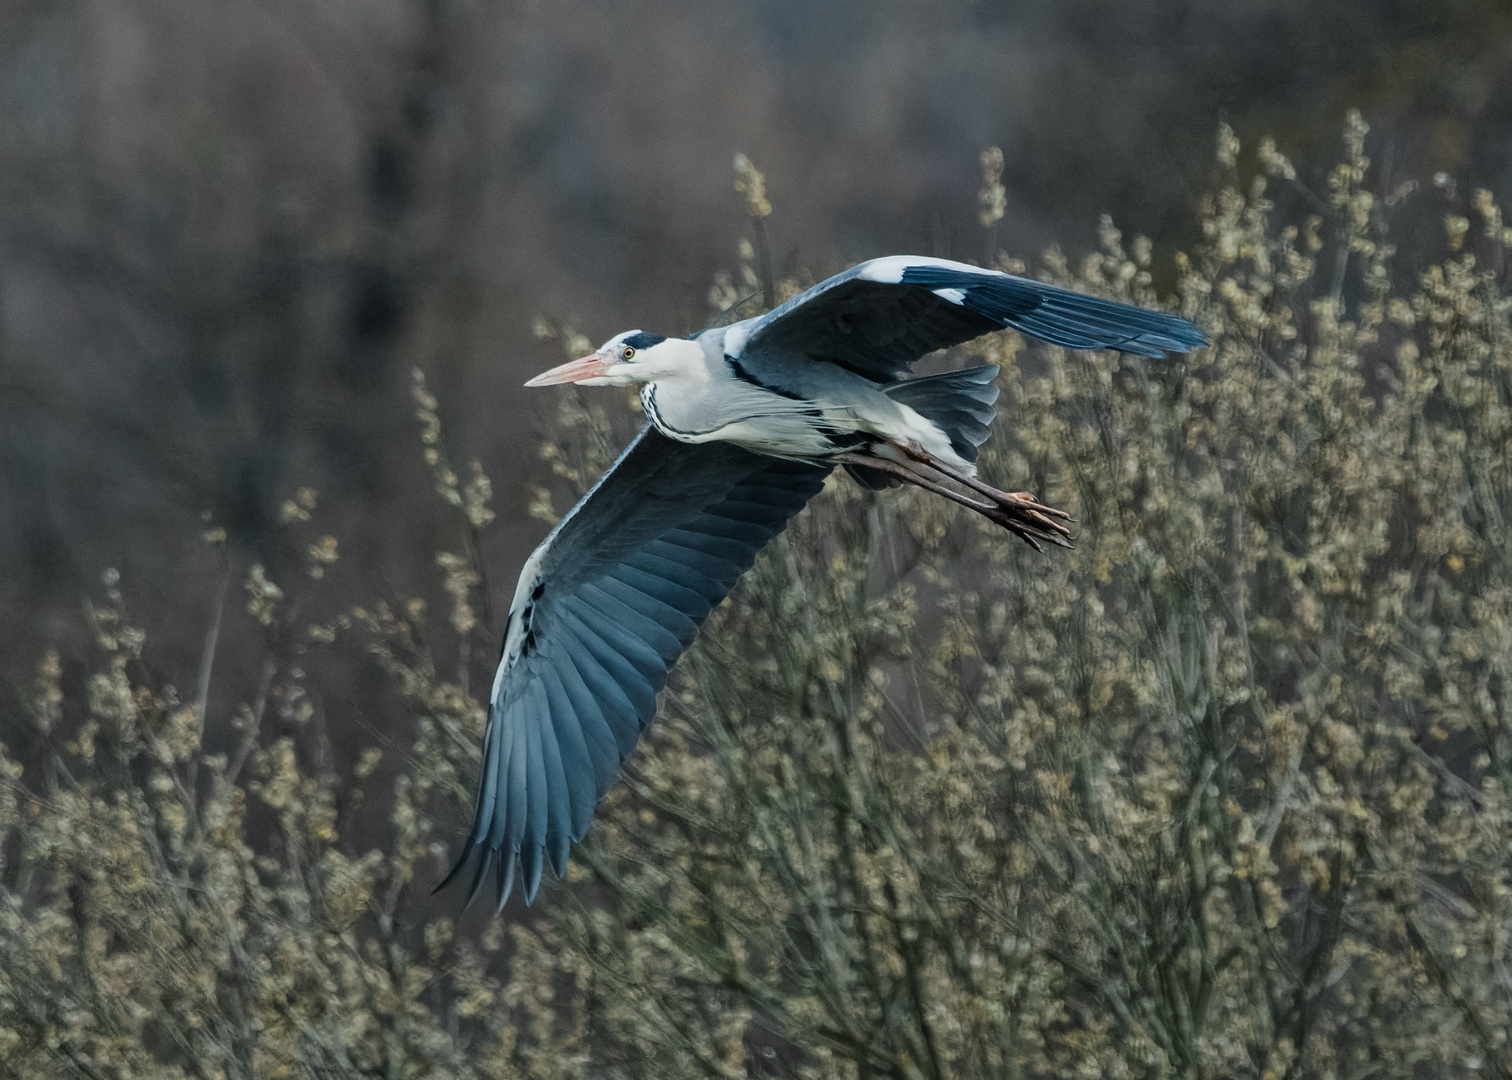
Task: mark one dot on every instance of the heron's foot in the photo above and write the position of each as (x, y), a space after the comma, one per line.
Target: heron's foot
(1024, 504)
(1021, 513)
(1029, 497)
(1020, 500)
(1019, 507)
(1029, 519)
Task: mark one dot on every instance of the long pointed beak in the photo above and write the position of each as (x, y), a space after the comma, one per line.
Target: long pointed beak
(588, 367)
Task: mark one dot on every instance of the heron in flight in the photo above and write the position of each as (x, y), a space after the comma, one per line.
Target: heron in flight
(745, 423)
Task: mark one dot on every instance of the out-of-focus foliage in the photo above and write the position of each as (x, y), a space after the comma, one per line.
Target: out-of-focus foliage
(1222, 792)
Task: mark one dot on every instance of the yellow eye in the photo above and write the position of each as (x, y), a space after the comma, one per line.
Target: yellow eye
(627, 353)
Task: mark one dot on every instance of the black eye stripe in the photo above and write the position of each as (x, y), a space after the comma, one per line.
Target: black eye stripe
(641, 340)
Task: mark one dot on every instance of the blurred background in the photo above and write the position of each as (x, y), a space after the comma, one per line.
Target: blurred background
(230, 230)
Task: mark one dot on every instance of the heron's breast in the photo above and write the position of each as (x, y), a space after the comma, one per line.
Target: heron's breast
(765, 423)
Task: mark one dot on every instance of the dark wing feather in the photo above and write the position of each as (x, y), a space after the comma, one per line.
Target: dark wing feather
(604, 608)
(878, 317)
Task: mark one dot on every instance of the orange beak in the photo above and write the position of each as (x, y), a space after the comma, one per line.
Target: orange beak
(588, 367)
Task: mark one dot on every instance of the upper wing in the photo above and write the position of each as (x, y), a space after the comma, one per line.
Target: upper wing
(604, 608)
(878, 317)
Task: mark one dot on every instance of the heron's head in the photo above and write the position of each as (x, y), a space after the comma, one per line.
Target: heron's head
(626, 360)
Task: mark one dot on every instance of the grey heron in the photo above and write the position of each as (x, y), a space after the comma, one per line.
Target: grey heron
(746, 421)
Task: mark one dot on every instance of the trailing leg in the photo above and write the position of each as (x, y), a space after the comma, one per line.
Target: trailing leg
(1002, 498)
(1025, 517)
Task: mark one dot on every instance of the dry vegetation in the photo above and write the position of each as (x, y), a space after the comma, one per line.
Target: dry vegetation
(1223, 792)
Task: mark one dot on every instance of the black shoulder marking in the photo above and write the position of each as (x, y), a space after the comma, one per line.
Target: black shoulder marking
(525, 621)
(745, 376)
(643, 340)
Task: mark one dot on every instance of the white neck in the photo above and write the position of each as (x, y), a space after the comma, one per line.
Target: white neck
(675, 358)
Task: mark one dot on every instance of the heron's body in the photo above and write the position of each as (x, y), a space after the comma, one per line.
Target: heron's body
(782, 404)
(745, 424)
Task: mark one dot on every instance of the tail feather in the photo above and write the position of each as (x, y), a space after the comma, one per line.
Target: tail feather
(960, 402)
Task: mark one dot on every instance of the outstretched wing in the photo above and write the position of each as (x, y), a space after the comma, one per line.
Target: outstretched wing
(603, 609)
(878, 317)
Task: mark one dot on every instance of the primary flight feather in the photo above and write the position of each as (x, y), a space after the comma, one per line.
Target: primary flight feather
(746, 422)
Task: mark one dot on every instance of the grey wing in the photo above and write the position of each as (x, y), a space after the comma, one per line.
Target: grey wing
(604, 608)
(880, 316)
